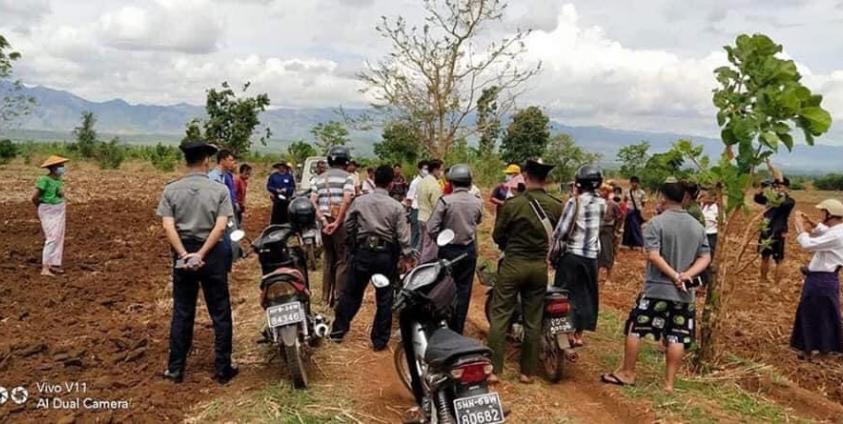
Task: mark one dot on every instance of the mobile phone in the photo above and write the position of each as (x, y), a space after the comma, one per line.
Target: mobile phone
(694, 282)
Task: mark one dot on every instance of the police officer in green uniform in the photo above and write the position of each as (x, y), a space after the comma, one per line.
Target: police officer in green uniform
(379, 235)
(460, 212)
(523, 236)
(195, 212)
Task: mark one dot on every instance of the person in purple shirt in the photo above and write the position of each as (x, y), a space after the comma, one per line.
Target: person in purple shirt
(281, 186)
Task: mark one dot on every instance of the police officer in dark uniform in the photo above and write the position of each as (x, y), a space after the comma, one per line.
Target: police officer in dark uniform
(377, 229)
(460, 212)
(523, 230)
(195, 212)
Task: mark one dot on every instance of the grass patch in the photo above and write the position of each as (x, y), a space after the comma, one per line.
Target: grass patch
(694, 400)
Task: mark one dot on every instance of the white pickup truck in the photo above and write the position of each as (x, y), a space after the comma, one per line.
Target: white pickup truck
(307, 173)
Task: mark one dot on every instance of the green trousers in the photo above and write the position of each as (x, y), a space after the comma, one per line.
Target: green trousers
(528, 278)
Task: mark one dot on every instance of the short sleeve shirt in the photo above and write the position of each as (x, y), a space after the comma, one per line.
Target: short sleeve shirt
(680, 239)
(49, 188)
(195, 202)
(331, 186)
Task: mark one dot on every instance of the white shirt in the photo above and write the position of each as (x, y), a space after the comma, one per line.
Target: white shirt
(826, 244)
(411, 192)
(710, 213)
(368, 186)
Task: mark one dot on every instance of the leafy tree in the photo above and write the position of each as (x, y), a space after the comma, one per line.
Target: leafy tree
(633, 158)
(526, 136)
(86, 135)
(435, 72)
(828, 182)
(567, 157)
(164, 158)
(329, 134)
(13, 104)
(299, 151)
(400, 143)
(488, 122)
(110, 155)
(232, 119)
(760, 101)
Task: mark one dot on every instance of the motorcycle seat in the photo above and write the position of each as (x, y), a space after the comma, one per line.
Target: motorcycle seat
(445, 346)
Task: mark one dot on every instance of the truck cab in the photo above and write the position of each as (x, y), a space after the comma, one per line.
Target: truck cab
(308, 171)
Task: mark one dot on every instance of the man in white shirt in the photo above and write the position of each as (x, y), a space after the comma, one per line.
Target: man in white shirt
(412, 202)
(818, 327)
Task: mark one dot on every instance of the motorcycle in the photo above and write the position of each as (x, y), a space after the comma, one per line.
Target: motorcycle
(557, 329)
(311, 242)
(451, 369)
(285, 296)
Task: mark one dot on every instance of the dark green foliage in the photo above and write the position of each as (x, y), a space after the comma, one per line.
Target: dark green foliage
(8, 151)
(568, 157)
(86, 135)
(299, 151)
(401, 143)
(488, 122)
(526, 136)
(829, 182)
(110, 155)
(633, 158)
(232, 119)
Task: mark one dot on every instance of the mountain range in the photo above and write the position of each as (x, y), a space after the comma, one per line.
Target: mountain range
(57, 112)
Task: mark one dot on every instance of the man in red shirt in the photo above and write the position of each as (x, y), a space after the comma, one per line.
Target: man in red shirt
(241, 181)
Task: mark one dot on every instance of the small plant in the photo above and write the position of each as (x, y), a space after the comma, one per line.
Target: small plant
(110, 155)
(164, 158)
(8, 151)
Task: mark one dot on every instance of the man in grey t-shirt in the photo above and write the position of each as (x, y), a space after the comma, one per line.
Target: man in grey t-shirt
(677, 252)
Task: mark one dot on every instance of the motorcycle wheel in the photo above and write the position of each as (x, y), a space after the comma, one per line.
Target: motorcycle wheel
(553, 359)
(400, 362)
(295, 362)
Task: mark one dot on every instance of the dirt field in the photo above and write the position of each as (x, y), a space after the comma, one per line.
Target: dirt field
(105, 325)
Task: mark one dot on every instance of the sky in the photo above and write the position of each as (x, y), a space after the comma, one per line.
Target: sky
(627, 64)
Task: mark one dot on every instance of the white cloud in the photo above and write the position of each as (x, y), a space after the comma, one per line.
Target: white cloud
(188, 26)
(23, 14)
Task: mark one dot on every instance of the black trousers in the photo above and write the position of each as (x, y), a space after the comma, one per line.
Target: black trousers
(365, 263)
(463, 274)
(214, 281)
(280, 215)
(578, 274)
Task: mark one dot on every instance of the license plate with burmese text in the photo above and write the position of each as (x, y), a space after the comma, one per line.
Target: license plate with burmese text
(560, 325)
(480, 409)
(286, 314)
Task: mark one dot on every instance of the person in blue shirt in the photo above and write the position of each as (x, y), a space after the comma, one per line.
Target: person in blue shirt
(223, 174)
(281, 187)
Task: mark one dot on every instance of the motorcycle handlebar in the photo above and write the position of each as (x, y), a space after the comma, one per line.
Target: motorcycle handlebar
(451, 263)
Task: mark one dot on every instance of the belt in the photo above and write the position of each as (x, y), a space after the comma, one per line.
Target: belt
(375, 243)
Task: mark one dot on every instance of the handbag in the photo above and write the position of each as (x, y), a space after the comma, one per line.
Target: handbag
(558, 248)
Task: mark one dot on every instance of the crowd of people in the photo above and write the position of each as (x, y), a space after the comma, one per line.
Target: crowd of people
(380, 223)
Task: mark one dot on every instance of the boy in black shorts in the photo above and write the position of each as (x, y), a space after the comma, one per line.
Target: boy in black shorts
(677, 252)
(772, 238)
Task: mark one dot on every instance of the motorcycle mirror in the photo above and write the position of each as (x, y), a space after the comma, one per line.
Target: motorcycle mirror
(237, 235)
(445, 237)
(380, 281)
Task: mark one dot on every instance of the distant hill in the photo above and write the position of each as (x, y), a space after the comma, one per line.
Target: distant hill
(58, 112)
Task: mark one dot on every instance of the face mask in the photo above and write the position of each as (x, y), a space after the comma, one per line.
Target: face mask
(424, 173)
(60, 171)
(508, 178)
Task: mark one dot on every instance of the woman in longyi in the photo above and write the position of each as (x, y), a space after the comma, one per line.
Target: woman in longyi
(49, 199)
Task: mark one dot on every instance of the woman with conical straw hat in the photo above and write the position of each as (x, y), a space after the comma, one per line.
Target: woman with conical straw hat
(49, 199)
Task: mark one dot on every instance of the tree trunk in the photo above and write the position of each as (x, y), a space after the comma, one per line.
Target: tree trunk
(710, 325)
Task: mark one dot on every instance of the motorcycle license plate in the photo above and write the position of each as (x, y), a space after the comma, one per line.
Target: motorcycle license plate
(286, 314)
(480, 409)
(560, 325)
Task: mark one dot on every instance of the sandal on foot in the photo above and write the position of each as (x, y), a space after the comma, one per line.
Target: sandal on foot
(611, 378)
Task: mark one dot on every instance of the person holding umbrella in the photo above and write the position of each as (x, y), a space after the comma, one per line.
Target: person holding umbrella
(49, 199)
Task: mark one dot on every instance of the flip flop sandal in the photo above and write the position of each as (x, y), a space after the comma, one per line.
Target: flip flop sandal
(611, 378)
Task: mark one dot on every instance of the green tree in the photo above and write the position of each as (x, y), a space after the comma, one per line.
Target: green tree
(299, 151)
(86, 135)
(329, 134)
(567, 157)
(8, 151)
(488, 121)
(633, 158)
(110, 155)
(400, 143)
(193, 131)
(526, 136)
(232, 118)
(760, 101)
(13, 104)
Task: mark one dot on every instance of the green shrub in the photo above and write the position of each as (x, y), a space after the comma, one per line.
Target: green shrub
(829, 182)
(163, 158)
(8, 151)
(110, 155)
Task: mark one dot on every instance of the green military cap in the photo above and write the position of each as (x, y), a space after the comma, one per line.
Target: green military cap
(194, 145)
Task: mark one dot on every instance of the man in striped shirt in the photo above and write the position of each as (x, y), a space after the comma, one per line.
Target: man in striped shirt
(332, 195)
(579, 230)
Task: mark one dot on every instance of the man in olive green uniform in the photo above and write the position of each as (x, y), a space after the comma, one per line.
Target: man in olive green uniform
(523, 237)
(194, 212)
